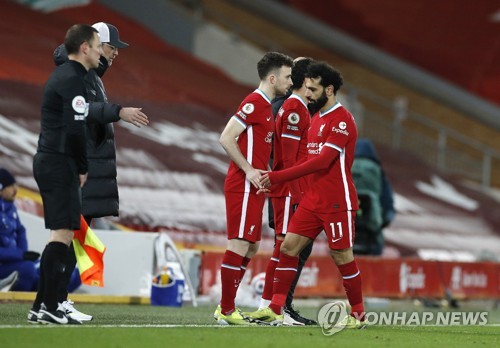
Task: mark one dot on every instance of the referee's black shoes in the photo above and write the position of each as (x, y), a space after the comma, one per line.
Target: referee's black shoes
(53, 317)
(293, 318)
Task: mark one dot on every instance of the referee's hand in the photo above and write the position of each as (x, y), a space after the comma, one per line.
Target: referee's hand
(83, 179)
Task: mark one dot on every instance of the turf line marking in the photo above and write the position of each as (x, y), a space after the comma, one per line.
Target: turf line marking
(167, 326)
(174, 326)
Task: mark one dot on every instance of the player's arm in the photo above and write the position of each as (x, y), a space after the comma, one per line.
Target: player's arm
(290, 149)
(328, 155)
(228, 141)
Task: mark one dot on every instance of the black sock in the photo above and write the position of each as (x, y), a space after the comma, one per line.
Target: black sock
(53, 266)
(70, 264)
(41, 287)
(303, 256)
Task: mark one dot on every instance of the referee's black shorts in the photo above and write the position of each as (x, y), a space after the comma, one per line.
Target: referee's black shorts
(59, 184)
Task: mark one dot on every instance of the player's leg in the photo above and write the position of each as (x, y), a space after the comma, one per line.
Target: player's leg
(291, 315)
(282, 207)
(303, 228)
(244, 223)
(340, 232)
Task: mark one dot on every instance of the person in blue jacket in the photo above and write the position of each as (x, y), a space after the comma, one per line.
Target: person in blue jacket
(14, 253)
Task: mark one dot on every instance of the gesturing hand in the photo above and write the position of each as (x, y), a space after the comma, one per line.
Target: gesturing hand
(134, 116)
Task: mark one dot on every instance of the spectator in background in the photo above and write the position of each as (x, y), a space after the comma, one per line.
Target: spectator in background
(100, 193)
(375, 196)
(14, 253)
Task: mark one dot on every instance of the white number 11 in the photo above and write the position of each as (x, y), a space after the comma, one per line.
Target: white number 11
(335, 237)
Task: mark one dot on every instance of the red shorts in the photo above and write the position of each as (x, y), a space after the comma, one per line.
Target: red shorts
(282, 207)
(339, 227)
(244, 215)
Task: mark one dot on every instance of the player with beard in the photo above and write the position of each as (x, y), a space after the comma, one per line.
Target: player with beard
(330, 202)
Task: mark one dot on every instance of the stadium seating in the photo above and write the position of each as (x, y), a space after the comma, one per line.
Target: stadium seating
(171, 173)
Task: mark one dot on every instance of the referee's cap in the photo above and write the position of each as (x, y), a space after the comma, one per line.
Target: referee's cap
(109, 34)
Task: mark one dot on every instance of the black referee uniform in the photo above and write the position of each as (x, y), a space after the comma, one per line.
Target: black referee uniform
(61, 157)
(62, 154)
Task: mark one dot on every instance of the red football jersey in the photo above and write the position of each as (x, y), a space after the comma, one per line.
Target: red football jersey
(255, 115)
(290, 144)
(332, 190)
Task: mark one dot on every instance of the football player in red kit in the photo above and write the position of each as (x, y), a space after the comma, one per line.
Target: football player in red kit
(247, 139)
(289, 148)
(330, 202)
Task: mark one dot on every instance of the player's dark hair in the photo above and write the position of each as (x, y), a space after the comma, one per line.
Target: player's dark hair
(272, 61)
(328, 75)
(76, 35)
(299, 72)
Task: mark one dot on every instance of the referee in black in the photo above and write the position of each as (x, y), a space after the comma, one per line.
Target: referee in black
(60, 164)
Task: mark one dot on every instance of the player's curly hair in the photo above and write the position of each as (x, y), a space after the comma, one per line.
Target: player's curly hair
(328, 75)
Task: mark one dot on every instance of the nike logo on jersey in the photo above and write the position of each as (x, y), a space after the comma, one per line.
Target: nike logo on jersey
(269, 118)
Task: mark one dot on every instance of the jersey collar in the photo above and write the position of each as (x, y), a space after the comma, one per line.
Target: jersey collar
(334, 107)
(298, 97)
(263, 95)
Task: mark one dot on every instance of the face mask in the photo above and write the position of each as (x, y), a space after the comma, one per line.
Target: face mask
(103, 66)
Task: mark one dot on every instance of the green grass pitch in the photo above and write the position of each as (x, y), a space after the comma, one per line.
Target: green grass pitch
(147, 326)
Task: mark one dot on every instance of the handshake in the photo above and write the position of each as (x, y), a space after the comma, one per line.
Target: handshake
(259, 179)
(31, 255)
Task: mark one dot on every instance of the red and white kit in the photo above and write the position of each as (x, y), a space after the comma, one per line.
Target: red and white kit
(331, 196)
(290, 148)
(243, 205)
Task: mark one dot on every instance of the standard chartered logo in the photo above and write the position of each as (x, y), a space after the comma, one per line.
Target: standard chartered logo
(330, 317)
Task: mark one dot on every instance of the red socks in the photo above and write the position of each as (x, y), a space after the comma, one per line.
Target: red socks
(230, 274)
(243, 267)
(267, 294)
(352, 286)
(285, 273)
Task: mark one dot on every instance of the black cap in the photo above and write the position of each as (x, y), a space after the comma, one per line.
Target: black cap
(6, 178)
(109, 34)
